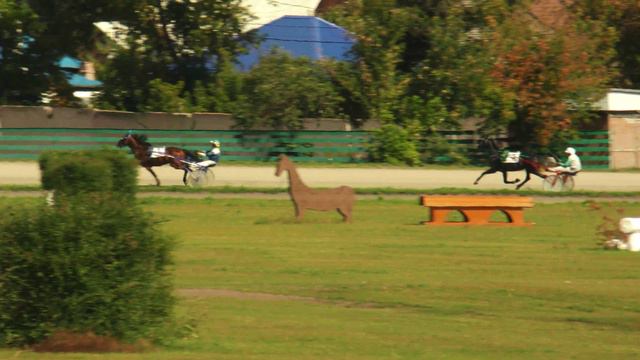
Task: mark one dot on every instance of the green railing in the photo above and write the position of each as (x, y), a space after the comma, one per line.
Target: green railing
(593, 149)
(318, 146)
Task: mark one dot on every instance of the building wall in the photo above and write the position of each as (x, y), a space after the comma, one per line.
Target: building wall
(73, 118)
(624, 137)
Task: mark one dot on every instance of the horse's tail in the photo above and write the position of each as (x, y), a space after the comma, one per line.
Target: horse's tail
(533, 165)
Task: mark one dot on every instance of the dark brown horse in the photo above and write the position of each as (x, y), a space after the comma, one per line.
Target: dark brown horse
(142, 151)
(496, 164)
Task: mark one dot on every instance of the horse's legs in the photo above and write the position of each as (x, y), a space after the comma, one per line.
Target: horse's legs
(346, 213)
(184, 177)
(154, 175)
(505, 178)
(527, 178)
(299, 211)
(537, 173)
(489, 171)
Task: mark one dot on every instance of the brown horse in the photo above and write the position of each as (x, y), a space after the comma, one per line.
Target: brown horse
(142, 151)
(303, 197)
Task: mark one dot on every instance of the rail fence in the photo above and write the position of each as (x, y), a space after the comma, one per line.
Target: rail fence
(301, 146)
(592, 147)
(318, 146)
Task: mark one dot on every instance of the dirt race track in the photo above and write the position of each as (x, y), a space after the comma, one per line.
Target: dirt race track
(27, 173)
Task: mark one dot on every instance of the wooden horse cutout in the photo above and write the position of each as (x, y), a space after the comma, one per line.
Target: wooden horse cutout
(303, 197)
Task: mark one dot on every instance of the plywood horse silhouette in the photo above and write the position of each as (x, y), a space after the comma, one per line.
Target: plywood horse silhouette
(303, 197)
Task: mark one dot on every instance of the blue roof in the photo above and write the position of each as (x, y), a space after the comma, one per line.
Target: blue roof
(307, 36)
(79, 81)
(68, 62)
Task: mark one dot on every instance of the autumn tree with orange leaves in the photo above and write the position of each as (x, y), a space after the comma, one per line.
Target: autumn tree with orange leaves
(552, 76)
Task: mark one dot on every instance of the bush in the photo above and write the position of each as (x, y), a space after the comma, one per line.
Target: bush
(73, 172)
(436, 150)
(90, 263)
(393, 144)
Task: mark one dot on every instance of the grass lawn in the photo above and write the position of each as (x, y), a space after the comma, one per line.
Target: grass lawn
(386, 287)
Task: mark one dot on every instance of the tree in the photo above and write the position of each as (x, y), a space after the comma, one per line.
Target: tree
(24, 59)
(554, 77)
(455, 67)
(35, 34)
(280, 91)
(176, 42)
(373, 82)
(622, 17)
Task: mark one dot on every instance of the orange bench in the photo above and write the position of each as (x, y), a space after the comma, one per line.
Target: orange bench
(476, 210)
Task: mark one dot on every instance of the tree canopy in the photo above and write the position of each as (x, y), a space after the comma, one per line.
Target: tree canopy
(420, 65)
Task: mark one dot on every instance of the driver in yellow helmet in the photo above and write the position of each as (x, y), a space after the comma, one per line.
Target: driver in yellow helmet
(211, 156)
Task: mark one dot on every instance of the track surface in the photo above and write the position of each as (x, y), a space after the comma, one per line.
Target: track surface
(27, 173)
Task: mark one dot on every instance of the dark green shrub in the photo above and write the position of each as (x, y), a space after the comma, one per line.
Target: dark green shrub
(393, 144)
(75, 172)
(86, 264)
(94, 262)
(434, 149)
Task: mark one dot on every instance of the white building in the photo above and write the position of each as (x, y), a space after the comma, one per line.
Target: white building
(266, 11)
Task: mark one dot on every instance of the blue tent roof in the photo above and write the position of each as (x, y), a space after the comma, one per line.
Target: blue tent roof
(68, 62)
(307, 36)
(79, 81)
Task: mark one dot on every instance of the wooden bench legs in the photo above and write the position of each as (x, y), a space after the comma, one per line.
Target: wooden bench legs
(477, 216)
(476, 210)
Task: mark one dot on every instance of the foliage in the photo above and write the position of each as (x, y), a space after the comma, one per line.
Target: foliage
(554, 78)
(223, 93)
(35, 34)
(423, 66)
(622, 19)
(74, 172)
(165, 97)
(92, 262)
(453, 68)
(280, 91)
(435, 149)
(372, 81)
(394, 145)
(23, 59)
(87, 264)
(185, 44)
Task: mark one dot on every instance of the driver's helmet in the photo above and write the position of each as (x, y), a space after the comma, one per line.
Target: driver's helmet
(570, 151)
(215, 143)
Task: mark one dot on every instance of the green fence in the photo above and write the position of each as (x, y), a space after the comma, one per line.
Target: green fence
(593, 149)
(318, 146)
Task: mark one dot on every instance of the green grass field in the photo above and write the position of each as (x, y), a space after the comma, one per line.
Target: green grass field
(386, 287)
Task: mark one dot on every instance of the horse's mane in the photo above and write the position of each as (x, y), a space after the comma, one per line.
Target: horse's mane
(141, 139)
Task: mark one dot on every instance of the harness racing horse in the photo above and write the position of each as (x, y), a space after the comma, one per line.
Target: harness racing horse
(496, 164)
(303, 197)
(142, 151)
